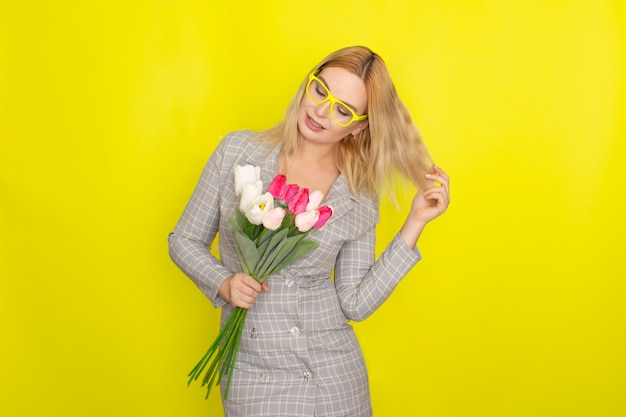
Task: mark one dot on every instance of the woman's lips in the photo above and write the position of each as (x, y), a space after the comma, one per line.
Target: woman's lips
(313, 125)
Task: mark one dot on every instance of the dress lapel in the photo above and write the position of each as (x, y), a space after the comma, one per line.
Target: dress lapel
(340, 199)
(265, 157)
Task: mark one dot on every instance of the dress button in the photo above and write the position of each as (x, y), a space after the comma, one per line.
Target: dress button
(295, 331)
(307, 376)
(289, 282)
(264, 377)
(253, 333)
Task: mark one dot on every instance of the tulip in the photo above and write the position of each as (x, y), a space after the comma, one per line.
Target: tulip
(278, 187)
(274, 218)
(259, 207)
(315, 199)
(292, 189)
(306, 220)
(297, 204)
(324, 214)
(245, 174)
(251, 190)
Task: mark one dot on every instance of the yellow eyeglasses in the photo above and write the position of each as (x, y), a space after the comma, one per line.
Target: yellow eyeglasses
(340, 112)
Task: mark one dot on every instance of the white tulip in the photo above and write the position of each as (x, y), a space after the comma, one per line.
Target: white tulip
(245, 174)
(251, 190)
(257, 209)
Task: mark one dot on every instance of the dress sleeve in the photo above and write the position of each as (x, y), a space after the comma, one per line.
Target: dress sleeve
(190, 242)
(364, 284)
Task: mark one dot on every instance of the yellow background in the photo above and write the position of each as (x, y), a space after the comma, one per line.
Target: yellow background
(110, 109)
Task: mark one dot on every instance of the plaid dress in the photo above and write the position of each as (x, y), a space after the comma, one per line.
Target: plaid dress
(298, 355)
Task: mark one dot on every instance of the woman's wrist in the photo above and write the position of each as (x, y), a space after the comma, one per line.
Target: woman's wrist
(411, 231)
(224, 291)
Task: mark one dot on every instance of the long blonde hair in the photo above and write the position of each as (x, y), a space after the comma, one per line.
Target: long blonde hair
(390, 145)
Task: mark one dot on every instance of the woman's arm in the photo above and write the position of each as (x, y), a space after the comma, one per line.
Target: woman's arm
(363, 283)
(190, 242)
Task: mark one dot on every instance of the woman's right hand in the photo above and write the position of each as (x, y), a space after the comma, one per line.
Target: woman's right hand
(241, 290)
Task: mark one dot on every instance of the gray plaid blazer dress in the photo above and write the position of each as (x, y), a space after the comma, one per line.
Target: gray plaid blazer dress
(298, 355)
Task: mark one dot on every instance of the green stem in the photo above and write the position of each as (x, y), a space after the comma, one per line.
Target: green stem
(230, 345)
(234, 345)
(260, 237)
(226, 343)
(223, 349)
(231, 364)
(197, 370)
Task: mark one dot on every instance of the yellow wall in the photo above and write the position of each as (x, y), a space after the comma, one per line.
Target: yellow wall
(109, 110)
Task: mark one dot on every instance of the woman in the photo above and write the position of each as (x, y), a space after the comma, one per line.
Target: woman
(345, 133)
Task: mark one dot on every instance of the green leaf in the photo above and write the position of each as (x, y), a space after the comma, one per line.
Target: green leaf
(263, 247)
(243, 224)
(294, 248)
(233, 225)
(247, 251)
(275, 243)
(266, 235)
(304, 248)
(242, 258)
(241, 220)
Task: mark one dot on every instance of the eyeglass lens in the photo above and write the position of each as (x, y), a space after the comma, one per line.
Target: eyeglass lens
(320, 94)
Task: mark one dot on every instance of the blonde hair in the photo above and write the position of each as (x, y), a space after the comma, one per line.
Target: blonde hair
(391, 143)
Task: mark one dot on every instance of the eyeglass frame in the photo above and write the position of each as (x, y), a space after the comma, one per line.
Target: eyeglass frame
(333, 100)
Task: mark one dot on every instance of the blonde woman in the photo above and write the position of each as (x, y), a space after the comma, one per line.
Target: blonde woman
(347, 134)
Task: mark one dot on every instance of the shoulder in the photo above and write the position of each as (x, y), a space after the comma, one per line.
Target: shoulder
(243, 148)
(242, 143)
(368, 208)
(352, 218)
(238, 140)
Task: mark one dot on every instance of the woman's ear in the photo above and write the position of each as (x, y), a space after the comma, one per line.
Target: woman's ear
(359, 127)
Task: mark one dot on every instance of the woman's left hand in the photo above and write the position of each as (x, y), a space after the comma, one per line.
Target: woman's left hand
(432, 202)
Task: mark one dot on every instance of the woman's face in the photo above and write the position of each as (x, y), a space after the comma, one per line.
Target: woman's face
(315, 121)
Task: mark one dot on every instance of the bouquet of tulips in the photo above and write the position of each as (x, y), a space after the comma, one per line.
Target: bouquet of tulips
(269, 230)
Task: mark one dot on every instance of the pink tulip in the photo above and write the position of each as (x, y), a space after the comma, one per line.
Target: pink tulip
(315, 199)
(292, 189)
(297, 204)
(324, 214)
(274, 218)
(306, 220)
(278, 187)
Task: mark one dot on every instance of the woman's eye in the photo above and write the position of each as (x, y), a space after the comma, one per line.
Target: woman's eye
(343, 111)
(320, 91)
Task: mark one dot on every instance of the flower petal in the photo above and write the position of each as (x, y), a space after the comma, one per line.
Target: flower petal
(298, 202)
(274, 218)
(278, 187)
(251, 190)
(245, 174)
(306, 220)
(325, 213)
(315, 199)
(292, 189)
(257, 209)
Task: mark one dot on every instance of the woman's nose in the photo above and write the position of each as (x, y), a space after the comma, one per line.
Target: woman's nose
(323, 110)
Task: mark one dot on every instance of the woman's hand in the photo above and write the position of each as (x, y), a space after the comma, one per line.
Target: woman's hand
(427, 205)
(241, 290)
(431, 203)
